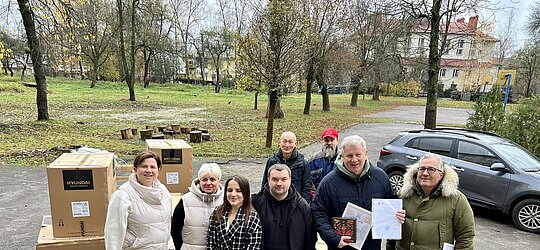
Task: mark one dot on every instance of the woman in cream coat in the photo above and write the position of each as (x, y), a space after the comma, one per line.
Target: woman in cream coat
(191, 216)
(139, 213)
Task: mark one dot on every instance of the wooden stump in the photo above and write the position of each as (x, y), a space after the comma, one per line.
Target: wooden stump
(158, 136)
(146, 134)
(205, 136)
(195, 136)
(153, 128)
(134, 131)
(168, 132)
(162, 128)
(203, 130)
(126, 133)
(185, 130)
(194, 129)
(175, 127)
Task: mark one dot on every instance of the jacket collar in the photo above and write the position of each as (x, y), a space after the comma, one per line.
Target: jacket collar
(340, 166)
(294, 154)
(151, 195)
(447, 187)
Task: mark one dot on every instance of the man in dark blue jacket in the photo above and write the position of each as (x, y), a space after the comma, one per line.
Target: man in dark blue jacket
(285, 216)
(288, 154)
(354, 180)
(323, 162)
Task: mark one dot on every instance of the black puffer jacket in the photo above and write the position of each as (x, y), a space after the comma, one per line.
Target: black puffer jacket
(302, 234)
(301, 179)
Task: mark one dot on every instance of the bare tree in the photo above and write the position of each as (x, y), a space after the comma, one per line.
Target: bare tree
(527, 61)
(438, 14)
(37, 60)
(271, 48)
(218, 43)
(534, 20)
(378, 31)
(507, 35)
(128, 63)
(153, 34)
(322, 18)
(93, 33)
(185, 15)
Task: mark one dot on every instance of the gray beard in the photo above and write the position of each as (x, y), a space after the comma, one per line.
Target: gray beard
(329, 152)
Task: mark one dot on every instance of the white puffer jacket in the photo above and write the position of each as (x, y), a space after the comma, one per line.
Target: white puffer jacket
(198, 207)
(138, 217)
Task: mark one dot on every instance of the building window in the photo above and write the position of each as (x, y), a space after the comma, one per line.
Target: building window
(460, 45)
(421, 42)
(442, 73)
(455, 73)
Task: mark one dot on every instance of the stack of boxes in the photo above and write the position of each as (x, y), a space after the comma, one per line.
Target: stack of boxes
(80, 186)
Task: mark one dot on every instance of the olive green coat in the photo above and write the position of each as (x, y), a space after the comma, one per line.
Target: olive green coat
(444, 216)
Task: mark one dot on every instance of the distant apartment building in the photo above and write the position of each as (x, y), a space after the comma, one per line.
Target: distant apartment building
(468, 62)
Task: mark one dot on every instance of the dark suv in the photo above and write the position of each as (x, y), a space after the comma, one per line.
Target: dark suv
(494, 172)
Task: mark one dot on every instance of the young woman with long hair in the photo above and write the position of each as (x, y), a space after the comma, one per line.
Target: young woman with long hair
(235, 224)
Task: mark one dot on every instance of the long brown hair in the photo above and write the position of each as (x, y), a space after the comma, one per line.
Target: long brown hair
(243, 183)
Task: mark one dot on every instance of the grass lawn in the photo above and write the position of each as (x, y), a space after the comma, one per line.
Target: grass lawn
(80, 115)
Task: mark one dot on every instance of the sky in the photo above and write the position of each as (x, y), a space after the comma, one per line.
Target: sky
(521, 14)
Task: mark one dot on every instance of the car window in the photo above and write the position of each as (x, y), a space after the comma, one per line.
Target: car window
(518, 157)
(476, 154)
(440, 146)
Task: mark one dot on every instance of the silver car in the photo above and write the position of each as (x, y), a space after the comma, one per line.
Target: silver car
(494, 172)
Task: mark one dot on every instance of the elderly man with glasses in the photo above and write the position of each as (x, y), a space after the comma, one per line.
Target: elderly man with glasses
(437, 212)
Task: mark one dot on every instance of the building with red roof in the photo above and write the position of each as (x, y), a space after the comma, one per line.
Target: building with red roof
(468, 61)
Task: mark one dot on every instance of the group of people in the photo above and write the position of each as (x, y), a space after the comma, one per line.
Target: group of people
(298, 199)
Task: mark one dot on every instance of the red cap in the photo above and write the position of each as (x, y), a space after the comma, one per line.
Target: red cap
(330, 132)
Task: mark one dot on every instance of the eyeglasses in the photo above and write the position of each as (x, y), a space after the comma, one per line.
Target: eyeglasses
(430, 170)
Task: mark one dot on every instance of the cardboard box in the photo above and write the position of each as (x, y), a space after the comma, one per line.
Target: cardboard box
(80, 186)
(46, 241)
(176, 158)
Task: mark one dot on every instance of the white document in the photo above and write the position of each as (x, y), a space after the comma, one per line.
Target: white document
(448, 246)
(172, 178)
(80, 209)
(363, 223)
(385, 223)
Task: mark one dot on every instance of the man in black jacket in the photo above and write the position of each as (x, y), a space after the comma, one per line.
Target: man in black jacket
(285, 216)
(288, 154)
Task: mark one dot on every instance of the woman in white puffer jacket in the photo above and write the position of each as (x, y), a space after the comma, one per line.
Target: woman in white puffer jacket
(139, 213)
(191, 216)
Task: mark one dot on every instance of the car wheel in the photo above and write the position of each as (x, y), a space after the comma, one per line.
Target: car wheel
(526, 215)
(396, 180)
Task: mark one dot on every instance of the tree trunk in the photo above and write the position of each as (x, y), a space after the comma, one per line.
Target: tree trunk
(81, 69)
(5, 65)
(376, 93)
(270, 123)
(147, 57)
(430, 120)
(94, 74)
(309, 83)
(256, 100)
(278, 113)
(324, 93)
(527, 92)
(35, 53)
(354, 96)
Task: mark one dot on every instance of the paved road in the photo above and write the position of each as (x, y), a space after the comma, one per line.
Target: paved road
(24, 197)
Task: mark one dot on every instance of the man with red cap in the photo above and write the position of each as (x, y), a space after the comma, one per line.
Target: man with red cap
(322, 162)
